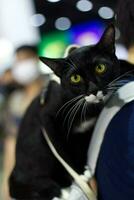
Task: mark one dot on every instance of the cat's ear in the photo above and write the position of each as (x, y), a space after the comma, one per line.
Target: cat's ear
(56, 64)
(107, 40)
(70, 49)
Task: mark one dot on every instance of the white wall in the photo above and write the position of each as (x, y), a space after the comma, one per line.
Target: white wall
(15, 21)
(15, 28)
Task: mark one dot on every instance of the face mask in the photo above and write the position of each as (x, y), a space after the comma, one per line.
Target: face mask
(26, 72)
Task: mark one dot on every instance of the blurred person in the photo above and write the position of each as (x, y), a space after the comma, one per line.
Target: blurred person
(7, 82)
(7, 86)
(125, 22)
(26, 73)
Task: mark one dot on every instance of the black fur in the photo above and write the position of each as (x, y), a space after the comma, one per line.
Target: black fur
(37, 175)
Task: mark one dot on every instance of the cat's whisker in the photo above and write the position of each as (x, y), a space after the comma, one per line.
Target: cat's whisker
(112, 89)
(73, 65)
(77, 109)
(120, 83)
(70, 110)
(83, 111)
(123, 75)
(116, 87)
(117, 83)
(67, 68)
(65, 106)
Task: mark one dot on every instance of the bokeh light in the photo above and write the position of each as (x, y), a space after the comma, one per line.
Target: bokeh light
(63, 23)
(37, 20)
(106, 12)
(84, 5)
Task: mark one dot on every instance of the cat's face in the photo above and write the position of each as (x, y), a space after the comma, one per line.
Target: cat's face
(88, 70)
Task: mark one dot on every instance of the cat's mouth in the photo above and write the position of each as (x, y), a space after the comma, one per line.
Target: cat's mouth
(92, 98)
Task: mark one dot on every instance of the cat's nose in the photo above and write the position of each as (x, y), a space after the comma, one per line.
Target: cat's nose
(92, 89)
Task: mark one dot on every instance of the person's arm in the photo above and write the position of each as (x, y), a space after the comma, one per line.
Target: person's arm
(8, 163)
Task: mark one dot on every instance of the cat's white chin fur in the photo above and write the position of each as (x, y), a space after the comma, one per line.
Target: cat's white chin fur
(94, 98)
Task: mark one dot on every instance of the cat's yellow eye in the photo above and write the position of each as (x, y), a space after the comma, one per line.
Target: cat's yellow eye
(100, 68)
(76, 78)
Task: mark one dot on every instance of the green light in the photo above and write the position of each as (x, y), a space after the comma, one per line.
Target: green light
(54, 44)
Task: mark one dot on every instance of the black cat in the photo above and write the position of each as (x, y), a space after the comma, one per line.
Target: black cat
(87, 74)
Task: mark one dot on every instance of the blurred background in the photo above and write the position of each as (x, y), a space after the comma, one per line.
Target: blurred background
(50, 25)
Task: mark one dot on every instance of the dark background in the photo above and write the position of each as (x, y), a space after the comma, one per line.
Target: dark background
(67, 8)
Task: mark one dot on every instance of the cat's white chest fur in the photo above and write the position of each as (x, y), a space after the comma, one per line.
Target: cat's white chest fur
(86, 125)
(95, 98)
